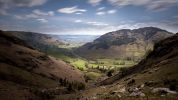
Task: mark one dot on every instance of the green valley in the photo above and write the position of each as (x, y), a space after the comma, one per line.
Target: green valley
(88, 50)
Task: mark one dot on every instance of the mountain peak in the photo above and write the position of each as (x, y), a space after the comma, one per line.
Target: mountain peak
(150, 28)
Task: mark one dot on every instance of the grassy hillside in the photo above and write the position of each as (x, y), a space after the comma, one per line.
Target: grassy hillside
(164, 51)
(123, 44)
(27, 73)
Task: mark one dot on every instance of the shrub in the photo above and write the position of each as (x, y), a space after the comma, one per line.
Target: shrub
(122, 63)
(173, 87)
(81, 86)
(86, 65)
(123, 70)
(70, 87)
(81, 68)
(109, 73)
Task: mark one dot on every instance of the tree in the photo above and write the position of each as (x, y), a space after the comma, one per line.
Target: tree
(86, 65)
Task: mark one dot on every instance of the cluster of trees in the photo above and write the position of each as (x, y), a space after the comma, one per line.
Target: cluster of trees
(72, 86)
(109, 72)
(103, 69)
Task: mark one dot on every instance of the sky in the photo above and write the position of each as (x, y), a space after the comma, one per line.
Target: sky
(87, 17)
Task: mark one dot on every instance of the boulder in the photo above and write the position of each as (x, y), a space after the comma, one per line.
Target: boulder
(137, 93)
(163, 91)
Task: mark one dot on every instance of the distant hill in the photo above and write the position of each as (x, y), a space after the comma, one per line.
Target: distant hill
(124, 44)
(26, 73)
(75, 40)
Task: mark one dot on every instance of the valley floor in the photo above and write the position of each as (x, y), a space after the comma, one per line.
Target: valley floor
(159, 82)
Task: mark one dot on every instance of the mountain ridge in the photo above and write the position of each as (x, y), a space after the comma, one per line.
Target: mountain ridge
(123, 43)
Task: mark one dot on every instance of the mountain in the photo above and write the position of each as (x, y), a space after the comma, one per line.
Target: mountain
(27, 74)
(154, 78)
(123, 44)
(164, 58)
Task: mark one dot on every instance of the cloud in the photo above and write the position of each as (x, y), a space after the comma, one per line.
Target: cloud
(19, 17)
(112, 11)
(101, 13)
(8, 4)
(32, 15)
(41, 13)
(36, 14)
(154, 5)
(78, 21)
(3, 12)
(22, 3)
(161, 5)
(42, 20)
(128, 2)
(70, 10)
(78, 13)
(92, 23)
(101, 8)
(28, 16)
(106, 12)
(96, 23)
(94, 2)
(175, 17)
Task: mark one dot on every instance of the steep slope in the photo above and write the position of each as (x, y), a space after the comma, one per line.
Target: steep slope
(154, 78)
(125, 44)
(26, 72)
(43, 42)
(164, 55)
(37, 40)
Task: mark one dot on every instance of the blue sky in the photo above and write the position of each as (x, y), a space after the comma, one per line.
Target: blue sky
(87, 17)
